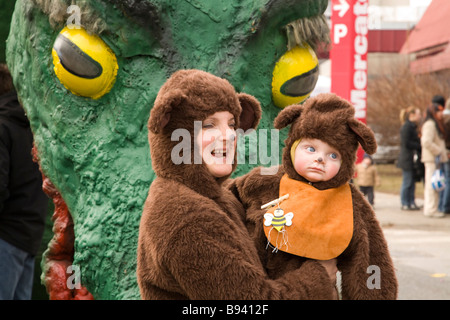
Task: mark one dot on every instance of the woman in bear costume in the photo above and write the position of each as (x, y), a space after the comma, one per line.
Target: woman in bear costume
(331, 219)
(193, 243)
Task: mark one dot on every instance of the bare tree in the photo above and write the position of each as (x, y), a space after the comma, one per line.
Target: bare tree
(396, 90)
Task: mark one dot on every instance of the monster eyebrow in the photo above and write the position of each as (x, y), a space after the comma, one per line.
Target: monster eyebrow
(142, 12)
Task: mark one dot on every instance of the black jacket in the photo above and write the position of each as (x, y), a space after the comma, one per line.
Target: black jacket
(410, 145)
(23, 204)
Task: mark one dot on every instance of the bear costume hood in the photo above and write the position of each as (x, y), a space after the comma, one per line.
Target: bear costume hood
(186, 97)
(338, 127)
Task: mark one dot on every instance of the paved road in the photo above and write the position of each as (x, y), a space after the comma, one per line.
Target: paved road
(420, 248)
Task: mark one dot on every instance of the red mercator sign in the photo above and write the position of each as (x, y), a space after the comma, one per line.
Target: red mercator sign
(349, 35)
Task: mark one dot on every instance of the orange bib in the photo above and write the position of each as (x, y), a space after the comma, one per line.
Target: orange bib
(322, 225)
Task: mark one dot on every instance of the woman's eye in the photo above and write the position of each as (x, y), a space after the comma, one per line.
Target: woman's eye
(207, 126)
(232, 125)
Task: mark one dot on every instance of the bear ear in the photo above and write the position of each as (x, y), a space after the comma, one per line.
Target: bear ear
(160, 113)
(251, 111)
(364, 134)
(287, 116)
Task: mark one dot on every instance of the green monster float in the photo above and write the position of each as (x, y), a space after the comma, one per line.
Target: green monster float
(87, 73)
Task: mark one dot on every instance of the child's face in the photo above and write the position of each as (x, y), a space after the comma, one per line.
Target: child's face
(217, 141)
(366, 162)
(316, 160)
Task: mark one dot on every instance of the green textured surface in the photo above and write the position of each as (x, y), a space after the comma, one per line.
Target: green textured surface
(96, 151)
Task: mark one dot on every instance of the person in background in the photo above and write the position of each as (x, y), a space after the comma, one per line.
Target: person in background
(444, 200)
(367, 178)
(23, 204)
(410, 150)
(445, 167)
(433, 153)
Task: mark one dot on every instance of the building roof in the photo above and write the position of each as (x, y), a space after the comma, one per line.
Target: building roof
(430, 39)
(432, 62)
(432, 30)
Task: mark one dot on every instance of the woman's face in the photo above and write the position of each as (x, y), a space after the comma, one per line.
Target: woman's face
(416, 116)
(217, 141)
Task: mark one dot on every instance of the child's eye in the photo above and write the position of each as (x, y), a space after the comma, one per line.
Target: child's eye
(334, 156)
(310, 149)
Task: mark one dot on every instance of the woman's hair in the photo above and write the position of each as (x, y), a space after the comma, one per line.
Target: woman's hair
(404, 113)
(6, 82)
(432, 110)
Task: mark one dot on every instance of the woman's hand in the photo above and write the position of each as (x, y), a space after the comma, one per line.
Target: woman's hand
(331, 267)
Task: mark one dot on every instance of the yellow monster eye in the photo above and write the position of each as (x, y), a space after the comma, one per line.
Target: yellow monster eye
(295, 76)
(84, 63)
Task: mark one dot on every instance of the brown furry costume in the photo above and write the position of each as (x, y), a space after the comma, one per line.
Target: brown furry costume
(330, 119)
(193, 243)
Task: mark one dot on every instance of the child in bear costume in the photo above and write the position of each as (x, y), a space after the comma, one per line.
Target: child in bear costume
(323, 217)
(193, 243)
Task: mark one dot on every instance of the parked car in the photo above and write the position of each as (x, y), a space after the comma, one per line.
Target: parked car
(386, 154)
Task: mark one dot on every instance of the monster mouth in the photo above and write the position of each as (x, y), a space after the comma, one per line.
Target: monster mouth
(58, 258)
(60, 250)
